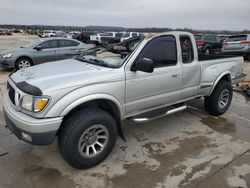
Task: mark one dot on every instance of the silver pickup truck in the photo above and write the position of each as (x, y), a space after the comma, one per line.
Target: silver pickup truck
(84, 100)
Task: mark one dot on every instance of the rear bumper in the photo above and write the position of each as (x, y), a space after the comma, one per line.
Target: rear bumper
(29, 129)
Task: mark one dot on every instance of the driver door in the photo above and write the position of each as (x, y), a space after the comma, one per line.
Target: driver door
(146, 91)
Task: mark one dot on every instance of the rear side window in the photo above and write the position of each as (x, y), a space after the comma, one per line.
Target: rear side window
(187, 51)
(134, 34)
(161, 50)
(210, 38)
(110, 34)
(49, 44)
(118, 34)
(198, 37)
(67, 43)
(237, 38)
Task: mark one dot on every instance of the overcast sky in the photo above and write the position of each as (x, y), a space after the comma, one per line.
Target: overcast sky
(196, 14)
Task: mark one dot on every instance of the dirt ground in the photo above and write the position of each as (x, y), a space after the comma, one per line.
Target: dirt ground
(189, 149)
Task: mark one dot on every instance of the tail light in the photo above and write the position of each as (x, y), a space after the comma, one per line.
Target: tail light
(225, 44)
(200, 42)
(245, 42)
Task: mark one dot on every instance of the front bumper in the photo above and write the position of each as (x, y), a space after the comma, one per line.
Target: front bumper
(29, 129)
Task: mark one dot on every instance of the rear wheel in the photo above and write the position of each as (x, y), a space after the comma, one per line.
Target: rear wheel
(219, 101)
(87, 137)
(23, 62)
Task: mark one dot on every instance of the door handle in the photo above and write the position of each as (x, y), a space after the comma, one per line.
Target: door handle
(175, 75)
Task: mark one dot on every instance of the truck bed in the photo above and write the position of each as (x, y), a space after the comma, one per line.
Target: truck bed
(204, 57)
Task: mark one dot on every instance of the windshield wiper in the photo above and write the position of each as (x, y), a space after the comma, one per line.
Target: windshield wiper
(99, 62)
(94, 61)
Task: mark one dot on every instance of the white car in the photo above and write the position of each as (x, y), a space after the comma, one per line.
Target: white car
(49, 33)
(129, 35)
(96, 38)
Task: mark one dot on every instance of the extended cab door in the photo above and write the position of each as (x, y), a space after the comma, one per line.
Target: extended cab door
(149, 90)
(191, 69)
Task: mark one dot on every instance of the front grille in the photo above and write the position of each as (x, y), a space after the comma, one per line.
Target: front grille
(11, 93)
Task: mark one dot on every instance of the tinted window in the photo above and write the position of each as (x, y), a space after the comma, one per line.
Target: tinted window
(126, 35)
(198, 37)
(222, 38)
(67, 43)
(187, 51)
(134, 34)
(161, 50)
(118, 34)
(110, 34)
(49, 44)
(237, 38)
(103, 34)
(210, 38)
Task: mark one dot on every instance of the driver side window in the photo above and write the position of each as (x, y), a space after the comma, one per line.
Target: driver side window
(161, 50)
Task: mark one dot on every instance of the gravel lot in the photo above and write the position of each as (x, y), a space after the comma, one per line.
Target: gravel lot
(190, 149)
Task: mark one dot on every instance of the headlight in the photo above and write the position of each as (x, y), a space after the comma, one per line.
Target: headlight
(34, 103)
(7, 55)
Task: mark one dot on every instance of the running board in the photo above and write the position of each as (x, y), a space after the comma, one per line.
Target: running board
(168, 112)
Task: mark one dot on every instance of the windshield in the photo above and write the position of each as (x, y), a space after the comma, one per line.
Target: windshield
(112, 55)
(32, 44)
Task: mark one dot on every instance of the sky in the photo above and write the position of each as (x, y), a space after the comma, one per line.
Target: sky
(194, 14)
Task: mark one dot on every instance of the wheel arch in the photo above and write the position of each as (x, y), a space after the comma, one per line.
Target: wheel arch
(109, 105)
(24, 56)
(224, 76)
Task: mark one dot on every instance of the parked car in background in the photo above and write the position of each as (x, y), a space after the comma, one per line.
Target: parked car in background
(41, 51)
(208, 43)
(237, 45)
(84, 36)
(112, 37)
(48, 33)
(130, 35)
(16, 30)
(96, 38)
(223, 37)
(1, 32)
(61, 34)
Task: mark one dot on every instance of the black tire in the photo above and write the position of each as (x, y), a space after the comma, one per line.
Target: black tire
(22, 61)
(74, 127)
(212, 103)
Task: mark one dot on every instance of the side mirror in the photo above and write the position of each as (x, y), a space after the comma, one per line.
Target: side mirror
(144, 65)
(38, 48)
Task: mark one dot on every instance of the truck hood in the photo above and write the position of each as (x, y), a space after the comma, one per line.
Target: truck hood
(61, 74)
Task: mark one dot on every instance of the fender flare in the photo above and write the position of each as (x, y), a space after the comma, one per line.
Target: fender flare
(218, 79)
(92, 97)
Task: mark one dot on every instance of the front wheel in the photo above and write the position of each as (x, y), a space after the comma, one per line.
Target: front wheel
(22, 63)
(87, 137)
(219, 101)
